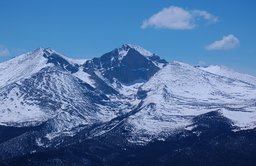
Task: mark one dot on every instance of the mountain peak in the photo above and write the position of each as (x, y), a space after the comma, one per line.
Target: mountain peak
(126, 47)
(22, 66)
(128, 64)
(43, 50)
(49, 53)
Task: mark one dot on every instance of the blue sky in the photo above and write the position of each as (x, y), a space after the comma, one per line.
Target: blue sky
(182, 30)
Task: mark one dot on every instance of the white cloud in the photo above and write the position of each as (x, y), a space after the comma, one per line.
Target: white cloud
(227, 43)
(205, 15)
(4, 51)
(177, 18)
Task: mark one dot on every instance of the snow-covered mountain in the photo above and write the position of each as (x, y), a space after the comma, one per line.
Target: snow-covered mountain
(129, 94)
(179, 92)
(44, 87)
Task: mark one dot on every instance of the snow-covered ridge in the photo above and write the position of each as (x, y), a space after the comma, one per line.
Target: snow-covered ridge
(227, 72)
(27, 64)
(70, 60)
(193, 83)
(140, 50)
(22, 67)
(126, 47)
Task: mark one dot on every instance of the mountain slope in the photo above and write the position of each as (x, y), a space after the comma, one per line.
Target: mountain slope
(180, 92)
(224, 71)
(47, 91)
(21, 67)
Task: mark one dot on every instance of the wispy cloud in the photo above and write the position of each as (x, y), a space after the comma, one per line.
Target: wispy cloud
(205, 15)
(4, 51)
(226, 43)
(177, 18)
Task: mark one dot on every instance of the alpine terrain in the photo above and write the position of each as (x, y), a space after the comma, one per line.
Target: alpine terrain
(126, 107)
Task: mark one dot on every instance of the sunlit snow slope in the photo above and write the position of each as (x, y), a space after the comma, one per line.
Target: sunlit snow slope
(179, 92)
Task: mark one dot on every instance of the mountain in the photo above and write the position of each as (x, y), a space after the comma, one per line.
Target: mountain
(122, 108)
(128, 64)
(125, 67)
(45, 87)
(180, 92)
(41, 89)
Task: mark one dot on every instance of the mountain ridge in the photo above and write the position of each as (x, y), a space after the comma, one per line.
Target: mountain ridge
(128, 94)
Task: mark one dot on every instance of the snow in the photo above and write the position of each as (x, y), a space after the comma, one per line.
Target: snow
(82, 75)
(25, 65)
(70, 60)
(76, 61)
(39, 142)
(14, 110)
(147, 54)
(179, 92)
(244, 119)
(66, 123)
(224, 71)
(192, 84)
(126, 47)
(122, 54)
(66, 108)
(141, 50)
(160, 65)
(127, 90)
(21, 67)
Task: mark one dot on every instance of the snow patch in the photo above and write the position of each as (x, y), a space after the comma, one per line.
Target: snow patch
(82, 75)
